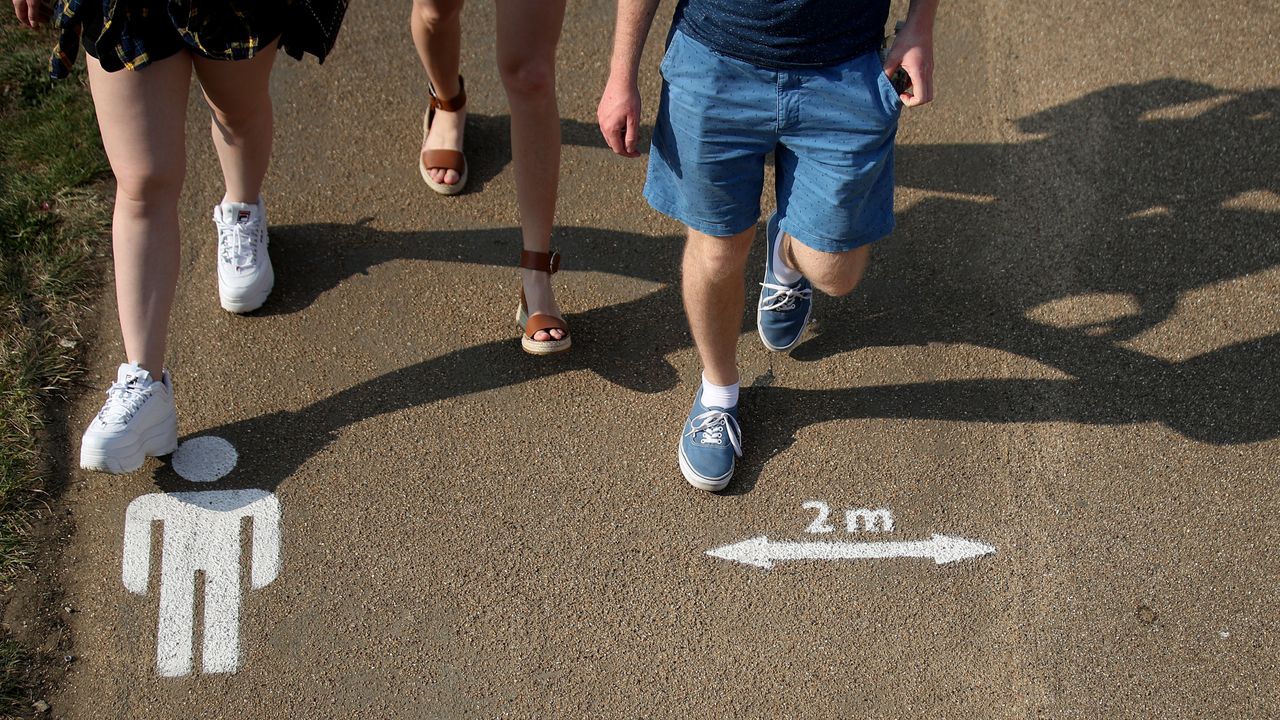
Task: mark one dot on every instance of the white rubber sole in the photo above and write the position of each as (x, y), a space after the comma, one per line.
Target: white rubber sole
(697, 480)
(249, 302)
(765, 341)
(159, 441)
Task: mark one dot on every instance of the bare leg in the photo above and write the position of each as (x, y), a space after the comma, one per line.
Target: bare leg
(714, 295)
(528, 32)
(142, 116)
(437, 32)
(832, 273)
(237, 94)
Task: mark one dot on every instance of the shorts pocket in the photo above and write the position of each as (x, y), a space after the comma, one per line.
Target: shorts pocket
(669, 57)
(887, 93)
(888, 96)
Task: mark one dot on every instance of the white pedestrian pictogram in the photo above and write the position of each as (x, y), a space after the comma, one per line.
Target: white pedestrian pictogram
(201, 534)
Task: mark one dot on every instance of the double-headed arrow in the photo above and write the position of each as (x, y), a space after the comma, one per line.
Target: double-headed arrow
(942, 549)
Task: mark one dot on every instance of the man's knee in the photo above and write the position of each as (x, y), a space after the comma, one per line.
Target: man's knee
(719, 255)
(840, 285)
(834, 274)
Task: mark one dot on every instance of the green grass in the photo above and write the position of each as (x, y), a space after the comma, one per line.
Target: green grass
(53, 224)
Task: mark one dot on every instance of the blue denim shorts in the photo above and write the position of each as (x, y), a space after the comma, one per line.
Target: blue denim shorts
(831, 130)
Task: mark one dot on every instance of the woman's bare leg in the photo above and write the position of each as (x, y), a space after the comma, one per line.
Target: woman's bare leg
(437, 32)
(528, 32)
(238, 95)
(142, 116)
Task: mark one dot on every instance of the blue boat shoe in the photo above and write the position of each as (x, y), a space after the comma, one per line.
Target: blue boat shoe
(783, 310)
(710, 444)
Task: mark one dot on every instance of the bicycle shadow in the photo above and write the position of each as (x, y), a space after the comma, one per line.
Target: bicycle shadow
(1156, 192)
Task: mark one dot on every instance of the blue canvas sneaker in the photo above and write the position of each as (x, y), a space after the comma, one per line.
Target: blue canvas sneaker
(710, 445)
(783, 310)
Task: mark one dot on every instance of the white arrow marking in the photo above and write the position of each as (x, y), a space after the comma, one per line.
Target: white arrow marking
(942, 549)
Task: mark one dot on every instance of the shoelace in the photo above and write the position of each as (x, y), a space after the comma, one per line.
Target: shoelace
(123, 401)
(714, 426)
(236, 245)
(785, 297)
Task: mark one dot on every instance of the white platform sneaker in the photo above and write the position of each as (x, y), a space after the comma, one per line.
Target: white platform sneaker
(245, 277)
(137, 421)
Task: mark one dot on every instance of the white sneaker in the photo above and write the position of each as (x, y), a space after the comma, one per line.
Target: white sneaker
(138, 420)
(244, 267)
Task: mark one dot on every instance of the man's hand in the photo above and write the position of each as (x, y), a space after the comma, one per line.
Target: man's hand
(619, 111)
(619, 116)
(32, 13)
(913, 52)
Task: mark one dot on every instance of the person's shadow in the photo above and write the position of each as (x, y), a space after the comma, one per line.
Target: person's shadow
(488, 144)
(1146, 193)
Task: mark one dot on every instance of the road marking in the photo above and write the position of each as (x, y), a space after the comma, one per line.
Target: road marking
(942, 549)
(204, 459)
(871, 520)
(201, 533)
(819, 524)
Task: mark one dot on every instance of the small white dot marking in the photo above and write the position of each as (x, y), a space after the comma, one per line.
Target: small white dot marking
(204, 459)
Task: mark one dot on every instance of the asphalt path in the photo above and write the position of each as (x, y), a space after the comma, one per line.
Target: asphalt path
(1067, 352)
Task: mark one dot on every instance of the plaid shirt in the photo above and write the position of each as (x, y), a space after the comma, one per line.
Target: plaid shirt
(219, 29)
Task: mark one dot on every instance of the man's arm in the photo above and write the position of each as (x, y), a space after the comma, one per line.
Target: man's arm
(913, 52)
(619, 111)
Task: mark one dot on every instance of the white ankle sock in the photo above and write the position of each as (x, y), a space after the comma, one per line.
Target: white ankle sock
(786, 274)
(721, 396)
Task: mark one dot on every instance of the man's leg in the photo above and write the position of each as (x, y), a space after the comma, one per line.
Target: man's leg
(835, 192)
(706, 170)
(792, 271)
(714, 294)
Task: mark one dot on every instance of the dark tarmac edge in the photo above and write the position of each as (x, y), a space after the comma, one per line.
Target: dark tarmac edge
(34, 620)
(35, 627)
(55, 255)
(33, 601)
(36, 610)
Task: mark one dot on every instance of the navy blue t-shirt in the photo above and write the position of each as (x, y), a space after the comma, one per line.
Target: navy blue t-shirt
(785, 33)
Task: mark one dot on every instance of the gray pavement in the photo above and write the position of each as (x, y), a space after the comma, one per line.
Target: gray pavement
(1067, 351)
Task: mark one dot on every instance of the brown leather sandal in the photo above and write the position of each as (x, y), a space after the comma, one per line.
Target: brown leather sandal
(530, 325)
(443, 159)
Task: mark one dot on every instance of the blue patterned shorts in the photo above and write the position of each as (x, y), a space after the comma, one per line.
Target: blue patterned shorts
(831, 130)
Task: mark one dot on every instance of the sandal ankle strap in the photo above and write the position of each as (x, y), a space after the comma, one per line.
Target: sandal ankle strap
(546, 262)
(453, 104)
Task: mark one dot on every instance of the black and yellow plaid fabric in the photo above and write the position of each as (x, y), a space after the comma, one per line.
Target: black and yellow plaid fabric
(129, 34)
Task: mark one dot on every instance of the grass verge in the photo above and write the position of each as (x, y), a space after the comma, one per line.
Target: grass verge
(52, 237)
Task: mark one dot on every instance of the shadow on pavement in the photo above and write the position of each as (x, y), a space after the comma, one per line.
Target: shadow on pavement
(488, 142)
(1134, 192)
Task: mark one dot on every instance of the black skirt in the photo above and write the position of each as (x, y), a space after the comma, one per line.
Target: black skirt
(130, 34)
